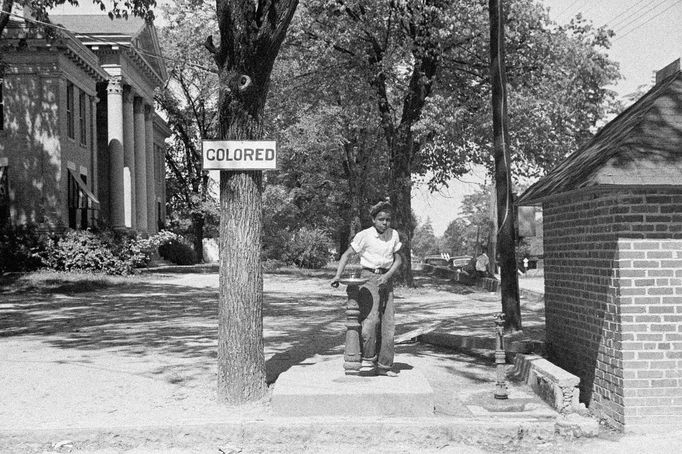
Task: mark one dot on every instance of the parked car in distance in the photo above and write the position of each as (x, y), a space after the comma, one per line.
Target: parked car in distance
(460, 261)
(436, 260)
(452, 262)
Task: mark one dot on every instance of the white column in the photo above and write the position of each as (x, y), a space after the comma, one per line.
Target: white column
(94, 179)
(140, 165)
(161, 175)
(129, 158)
(115, 145)
(151, 177)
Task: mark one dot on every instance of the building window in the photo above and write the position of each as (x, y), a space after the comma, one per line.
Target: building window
(82, 119)
(4, 195)
(70, 127)
(83, 205)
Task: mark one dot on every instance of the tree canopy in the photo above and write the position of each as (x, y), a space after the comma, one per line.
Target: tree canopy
(418, 71)
(189, 102)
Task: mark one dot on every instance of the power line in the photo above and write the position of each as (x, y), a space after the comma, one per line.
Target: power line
(646, 22)
(103, 41)
(566, 9)
(623, 12)
(624, 22)
(587, 8)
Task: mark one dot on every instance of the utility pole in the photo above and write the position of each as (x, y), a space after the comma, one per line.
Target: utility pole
(506, 237)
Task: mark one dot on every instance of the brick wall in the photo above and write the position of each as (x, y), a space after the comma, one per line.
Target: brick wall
(650, 298)
(604, 293)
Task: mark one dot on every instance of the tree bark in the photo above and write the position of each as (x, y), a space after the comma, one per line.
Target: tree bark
(400, 189)
(198, 227)
(506, 235)
(241, 358)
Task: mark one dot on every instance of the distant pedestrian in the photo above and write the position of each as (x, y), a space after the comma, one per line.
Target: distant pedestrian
(378, 247)
(482, 263)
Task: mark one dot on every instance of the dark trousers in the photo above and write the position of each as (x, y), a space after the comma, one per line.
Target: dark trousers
(377, 317)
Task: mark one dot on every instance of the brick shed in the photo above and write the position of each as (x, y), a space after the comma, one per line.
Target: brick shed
(612, 219)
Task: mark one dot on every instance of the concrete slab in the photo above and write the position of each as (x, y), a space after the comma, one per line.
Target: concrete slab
(319, 387)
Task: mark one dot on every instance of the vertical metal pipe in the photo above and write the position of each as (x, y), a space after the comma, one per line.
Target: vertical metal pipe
(500, 359)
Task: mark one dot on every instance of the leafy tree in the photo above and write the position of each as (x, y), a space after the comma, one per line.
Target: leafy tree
(425, 242)
(466, 233)
(251, 34)
(190, 103)
(456, 239)
(424, 67)
(396, 47)
(332, 155)
(557, 78)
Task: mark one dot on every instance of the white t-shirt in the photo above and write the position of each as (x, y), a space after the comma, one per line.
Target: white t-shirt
(376, 251)
(482, 262)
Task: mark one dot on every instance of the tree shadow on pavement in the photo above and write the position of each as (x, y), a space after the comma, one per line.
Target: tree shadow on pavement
(176, 321)
(179, 323)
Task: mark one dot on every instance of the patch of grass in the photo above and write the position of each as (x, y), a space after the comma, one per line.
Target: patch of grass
(199, 268)
(45, 281)
(326, 272)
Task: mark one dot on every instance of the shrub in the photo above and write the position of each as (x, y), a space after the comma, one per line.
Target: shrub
(21, 248)
(106, 252)
(309, 248)
(83, 250)
(272, 264)
(178, 252)
(276, 245)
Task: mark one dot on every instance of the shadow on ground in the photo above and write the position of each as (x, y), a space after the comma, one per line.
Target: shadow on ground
(137, 318)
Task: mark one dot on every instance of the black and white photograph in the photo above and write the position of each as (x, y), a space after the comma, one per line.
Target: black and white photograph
(340, 226)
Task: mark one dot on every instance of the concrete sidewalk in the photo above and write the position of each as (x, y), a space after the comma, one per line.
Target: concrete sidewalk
(132, 369)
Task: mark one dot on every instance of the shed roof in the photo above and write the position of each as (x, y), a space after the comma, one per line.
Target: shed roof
(641, 146)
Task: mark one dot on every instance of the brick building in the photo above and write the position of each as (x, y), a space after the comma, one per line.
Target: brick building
(79, 140)
(613, 262)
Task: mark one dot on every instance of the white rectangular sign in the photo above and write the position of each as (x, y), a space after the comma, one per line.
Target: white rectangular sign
(239, 154)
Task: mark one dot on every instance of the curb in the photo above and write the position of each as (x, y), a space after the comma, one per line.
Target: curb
(420, 432)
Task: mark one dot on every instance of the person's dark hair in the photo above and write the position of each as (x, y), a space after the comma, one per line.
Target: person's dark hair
(384, 205)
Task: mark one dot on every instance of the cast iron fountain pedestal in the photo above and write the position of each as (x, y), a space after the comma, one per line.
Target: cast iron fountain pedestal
(352, 356)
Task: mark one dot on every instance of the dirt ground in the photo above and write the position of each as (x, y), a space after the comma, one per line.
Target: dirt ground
(141, 354)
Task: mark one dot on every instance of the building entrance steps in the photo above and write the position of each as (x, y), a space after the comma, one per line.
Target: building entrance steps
(320, 387)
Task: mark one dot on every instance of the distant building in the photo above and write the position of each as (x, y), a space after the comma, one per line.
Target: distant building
(80, 143)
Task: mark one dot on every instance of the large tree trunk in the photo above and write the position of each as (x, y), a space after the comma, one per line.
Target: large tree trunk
(241, 357)
(354, 177)
(241, 372)
(506, 237)
(251, 34)
(400, 190)
(198, 227)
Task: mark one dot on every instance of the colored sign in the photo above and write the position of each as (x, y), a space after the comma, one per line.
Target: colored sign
(239, 155)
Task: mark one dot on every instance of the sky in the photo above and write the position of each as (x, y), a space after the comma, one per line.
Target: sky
(648, 37)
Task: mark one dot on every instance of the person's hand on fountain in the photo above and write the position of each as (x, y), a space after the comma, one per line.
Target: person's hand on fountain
(383, 279)
(335, 281)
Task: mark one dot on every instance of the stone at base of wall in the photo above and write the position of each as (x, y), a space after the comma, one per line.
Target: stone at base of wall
(573, 425)
(553, 384)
